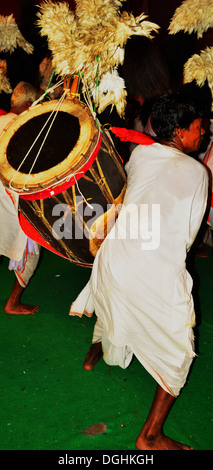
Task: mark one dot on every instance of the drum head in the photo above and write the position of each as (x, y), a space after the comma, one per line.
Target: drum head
(42, 146)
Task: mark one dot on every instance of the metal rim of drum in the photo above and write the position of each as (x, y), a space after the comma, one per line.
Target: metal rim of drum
(72, 164)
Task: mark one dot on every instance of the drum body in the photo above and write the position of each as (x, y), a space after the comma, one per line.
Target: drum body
(70, 183)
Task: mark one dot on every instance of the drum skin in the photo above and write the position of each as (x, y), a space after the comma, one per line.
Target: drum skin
(69, 207)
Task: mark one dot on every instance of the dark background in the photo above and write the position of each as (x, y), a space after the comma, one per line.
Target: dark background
(175, 48)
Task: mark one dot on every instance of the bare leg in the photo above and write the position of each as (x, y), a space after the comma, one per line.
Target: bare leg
(151, 436)
(14, 305)
(93, 356)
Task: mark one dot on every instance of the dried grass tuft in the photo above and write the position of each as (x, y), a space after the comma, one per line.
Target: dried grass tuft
(192, 16)
(11, 37)
(92, 38)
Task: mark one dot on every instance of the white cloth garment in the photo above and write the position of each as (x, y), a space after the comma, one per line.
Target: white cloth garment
(14, 244)
(26, 266)
(139, 288)
(12, 238)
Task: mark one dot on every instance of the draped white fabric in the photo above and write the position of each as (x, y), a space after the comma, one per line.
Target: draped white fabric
(12, 238)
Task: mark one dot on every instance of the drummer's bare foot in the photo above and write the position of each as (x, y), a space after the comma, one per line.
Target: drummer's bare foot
(159, 442)
(151, 436)
(14, 305)
(20, 309)
(93, 356)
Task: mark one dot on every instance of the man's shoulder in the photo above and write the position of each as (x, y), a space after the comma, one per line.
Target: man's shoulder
(191, 161)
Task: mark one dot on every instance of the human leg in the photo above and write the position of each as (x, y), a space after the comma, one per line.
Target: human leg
(14, 305)
(95, 352)
(152, 436)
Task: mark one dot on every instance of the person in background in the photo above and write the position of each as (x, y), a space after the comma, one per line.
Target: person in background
(14, 244)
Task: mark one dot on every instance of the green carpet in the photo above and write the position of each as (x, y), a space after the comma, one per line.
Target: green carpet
(47, 398)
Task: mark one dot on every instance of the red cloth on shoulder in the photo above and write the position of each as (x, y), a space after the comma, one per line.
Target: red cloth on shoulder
(130, 135)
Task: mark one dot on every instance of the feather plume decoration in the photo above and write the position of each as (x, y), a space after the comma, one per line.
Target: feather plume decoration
(199, 67)
(4, 83)
(11, 37)
(111, 91)
(95, 31)
(192, 16)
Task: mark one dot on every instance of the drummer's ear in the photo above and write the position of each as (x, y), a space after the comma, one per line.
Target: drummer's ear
(179, 132)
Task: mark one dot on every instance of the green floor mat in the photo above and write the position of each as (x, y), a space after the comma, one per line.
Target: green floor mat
(48, 399)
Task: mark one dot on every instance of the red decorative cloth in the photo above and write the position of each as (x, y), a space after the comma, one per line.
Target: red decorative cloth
(132, 136)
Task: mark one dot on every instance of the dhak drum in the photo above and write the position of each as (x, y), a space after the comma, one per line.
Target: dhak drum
(68, 175)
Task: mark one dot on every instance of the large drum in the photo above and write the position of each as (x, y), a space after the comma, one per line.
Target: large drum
(68, 175)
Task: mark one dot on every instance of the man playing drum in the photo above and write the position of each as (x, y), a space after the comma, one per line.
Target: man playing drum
(14, 244)
(139, 288)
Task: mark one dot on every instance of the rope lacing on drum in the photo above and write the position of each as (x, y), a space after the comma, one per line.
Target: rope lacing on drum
(48, 90)
(87, 203)
(53, 115)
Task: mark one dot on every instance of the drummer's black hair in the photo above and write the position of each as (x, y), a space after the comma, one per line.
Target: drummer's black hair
(175, 111)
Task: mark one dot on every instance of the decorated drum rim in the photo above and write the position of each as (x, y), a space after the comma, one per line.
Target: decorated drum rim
(82, 152)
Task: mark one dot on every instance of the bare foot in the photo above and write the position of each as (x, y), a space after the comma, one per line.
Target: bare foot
(93, 356)
(159, 442)
(14, 305)
(20, 309)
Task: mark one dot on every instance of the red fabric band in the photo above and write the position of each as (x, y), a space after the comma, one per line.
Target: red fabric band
(132, 136)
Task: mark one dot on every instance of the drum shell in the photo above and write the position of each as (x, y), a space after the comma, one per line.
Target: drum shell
(102, 185)
(91, 174)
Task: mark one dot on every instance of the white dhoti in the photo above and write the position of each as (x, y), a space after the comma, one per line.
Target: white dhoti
(26, 266)
(14, 244)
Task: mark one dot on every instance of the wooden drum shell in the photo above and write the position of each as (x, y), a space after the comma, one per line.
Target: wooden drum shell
(92, 173)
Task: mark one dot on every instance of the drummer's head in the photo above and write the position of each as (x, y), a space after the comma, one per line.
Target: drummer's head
(24, 94)
(174, 115)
